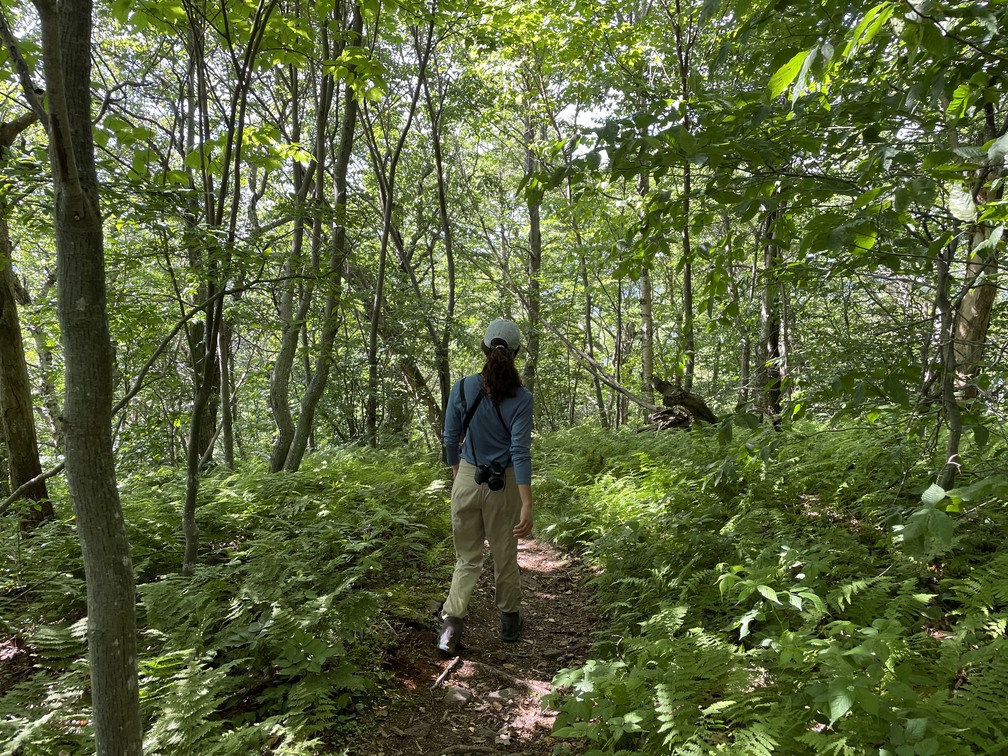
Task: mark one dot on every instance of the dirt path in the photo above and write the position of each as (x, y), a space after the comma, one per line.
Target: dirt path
(487, 700)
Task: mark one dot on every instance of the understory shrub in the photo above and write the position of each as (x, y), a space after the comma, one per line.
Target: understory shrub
(798, 592)
(271, 645)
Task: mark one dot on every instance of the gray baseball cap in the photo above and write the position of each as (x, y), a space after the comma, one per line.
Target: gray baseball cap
(505, 330)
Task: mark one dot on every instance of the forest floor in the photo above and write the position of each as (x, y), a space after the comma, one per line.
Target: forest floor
(488, 700)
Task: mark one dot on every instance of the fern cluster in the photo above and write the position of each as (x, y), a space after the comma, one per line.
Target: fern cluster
(271, 645)
(781, 593)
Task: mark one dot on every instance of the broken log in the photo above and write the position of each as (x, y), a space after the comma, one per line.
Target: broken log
(674, 396)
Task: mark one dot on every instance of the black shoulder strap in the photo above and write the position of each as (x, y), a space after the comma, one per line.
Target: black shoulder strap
(470, 411)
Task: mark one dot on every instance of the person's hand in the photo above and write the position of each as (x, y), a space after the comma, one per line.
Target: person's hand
(524, 526)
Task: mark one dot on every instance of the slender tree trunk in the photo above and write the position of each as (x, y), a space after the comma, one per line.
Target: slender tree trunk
(227, 394)
(685, 36)
(16, 402)
(974, 315)
(949, 368)
(87, 410)
(533, 203)
(647, 335)
(646, 314)
(689, 336)
(48, 393)
(768, 357)
(389, 181)
(221, 214)
(448, 239)
(620, 404)
(299, 290)
(338, 252)
(745, 369)
(590, 340)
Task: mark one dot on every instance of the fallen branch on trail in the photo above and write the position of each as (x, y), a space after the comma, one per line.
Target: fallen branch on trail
(444, 675)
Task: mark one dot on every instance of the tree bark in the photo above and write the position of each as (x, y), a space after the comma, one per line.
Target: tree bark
(590, 338)
(949, 368)
(227, 394)
(973, 315)
(447, 236)
(533, 203)
(388, 205)
(646, 314)
(87, 410)
(338, 252)
(16, 401)
(768, 356)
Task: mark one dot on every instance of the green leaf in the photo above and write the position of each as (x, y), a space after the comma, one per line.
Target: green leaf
(960, 101)
(933, 495)
(840, 700)
(786, 74)
(961, 203)
(710, 7)
(998, 149)
(989, 244)
(869, 26)
(928, 533)
(768, 593)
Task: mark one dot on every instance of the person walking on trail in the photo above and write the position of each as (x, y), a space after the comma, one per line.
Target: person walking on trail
(488, 443)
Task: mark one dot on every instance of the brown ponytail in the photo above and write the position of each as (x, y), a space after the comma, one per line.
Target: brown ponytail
(500, 376)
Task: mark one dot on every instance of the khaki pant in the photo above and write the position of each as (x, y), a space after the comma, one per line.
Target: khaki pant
(478, 515)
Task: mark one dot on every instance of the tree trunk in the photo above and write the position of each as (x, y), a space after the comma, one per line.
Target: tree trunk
(974, 315)
(533, 202)
(590, 341)
(620, 404)
(16, 402)
(220, 211)
(49, 394)
(646, 314)
(689, 337)
(685, 37)
(447, 235)
(388, 205)
(647, 335)
(768, 355)
(338, 251)
(87, 410)
(227, 395)
(949, 368)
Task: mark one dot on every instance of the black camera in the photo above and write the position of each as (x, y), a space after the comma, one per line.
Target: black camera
(492, 475)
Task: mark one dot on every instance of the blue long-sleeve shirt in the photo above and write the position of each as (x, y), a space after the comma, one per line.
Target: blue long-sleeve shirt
(487, 439)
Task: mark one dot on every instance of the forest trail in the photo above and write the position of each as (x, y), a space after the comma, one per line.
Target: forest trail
(488, 699)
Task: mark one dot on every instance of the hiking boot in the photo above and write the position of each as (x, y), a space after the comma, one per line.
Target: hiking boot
(511, 625)
(448, 638)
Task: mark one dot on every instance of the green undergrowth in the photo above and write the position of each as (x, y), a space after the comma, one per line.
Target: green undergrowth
(808, 591)
(273, 645)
